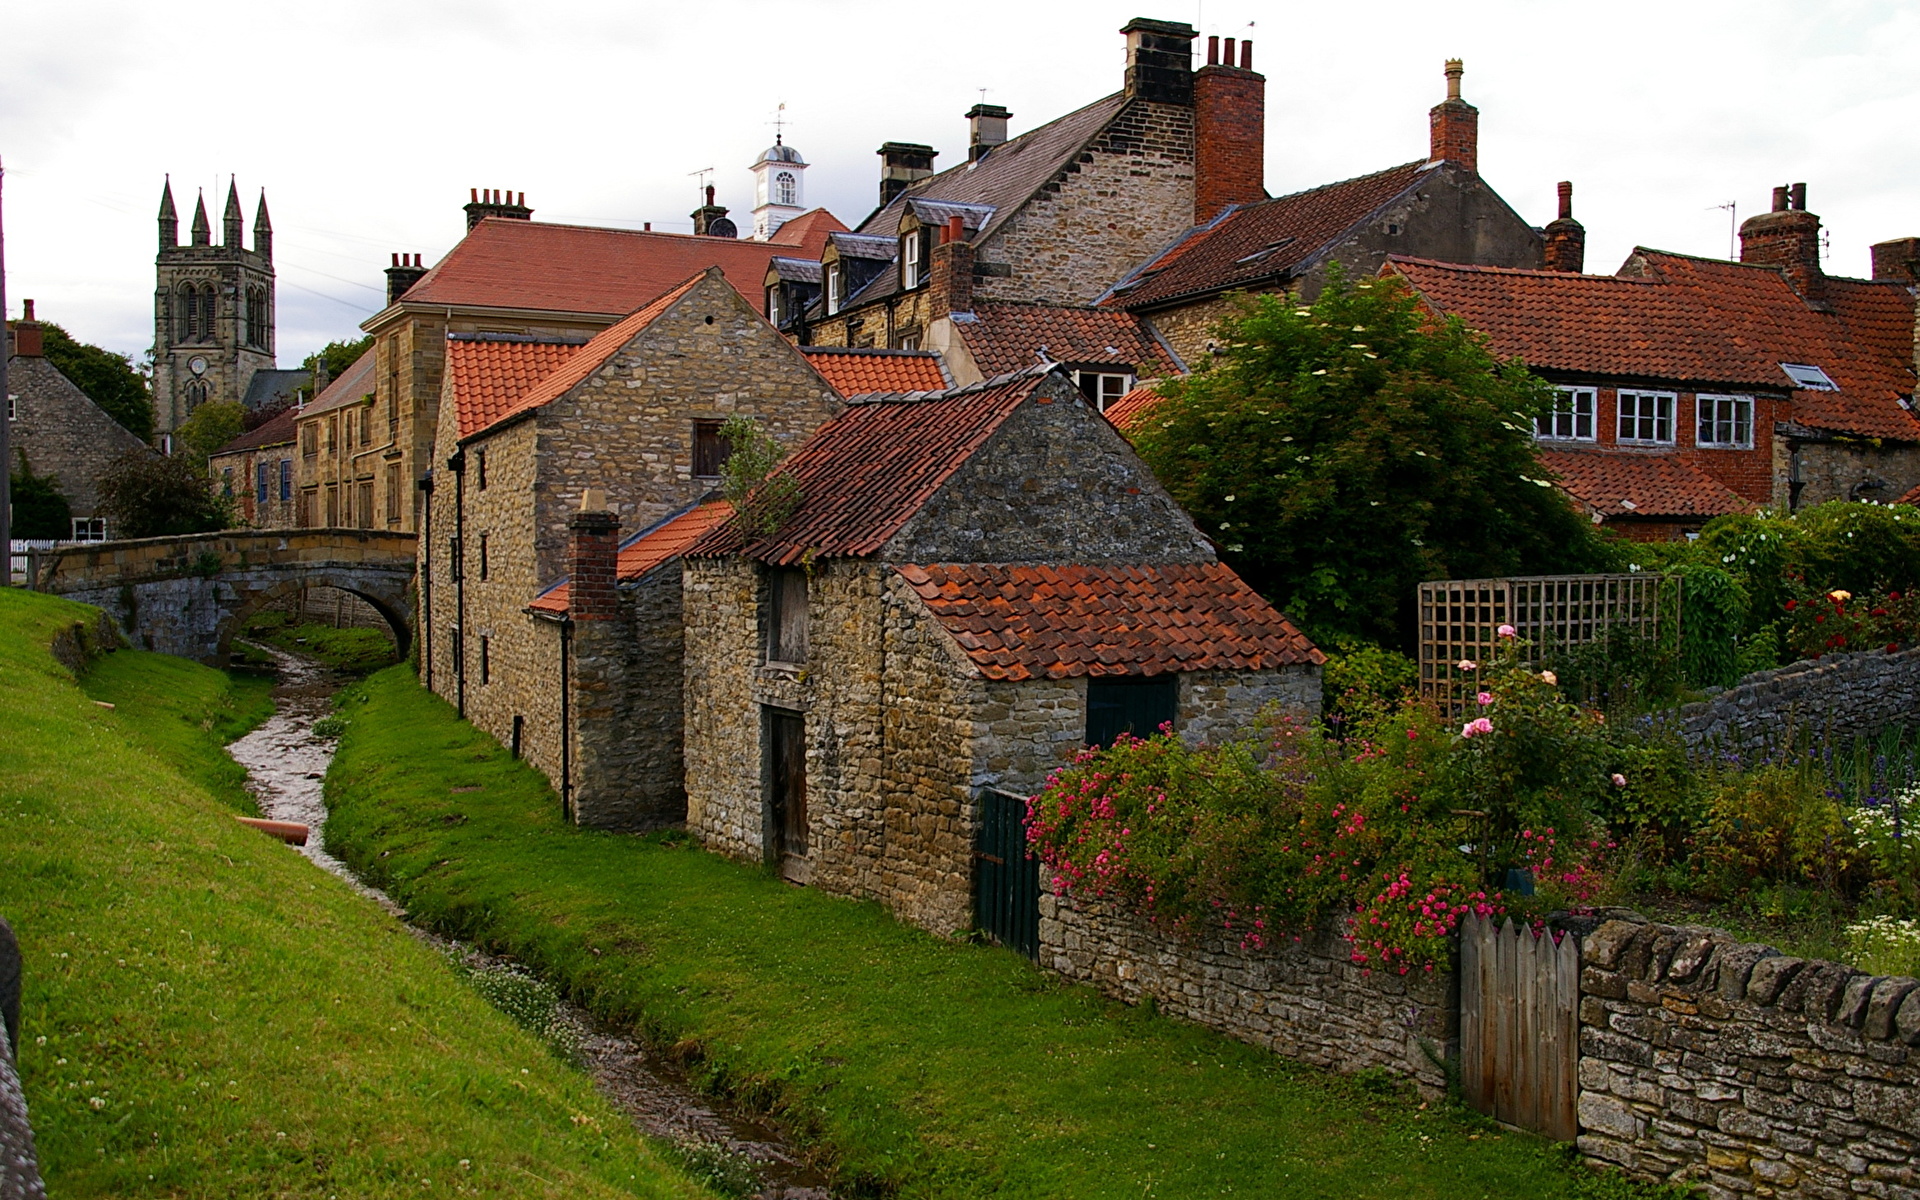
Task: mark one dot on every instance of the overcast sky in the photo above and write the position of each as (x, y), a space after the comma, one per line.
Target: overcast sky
(367, 122)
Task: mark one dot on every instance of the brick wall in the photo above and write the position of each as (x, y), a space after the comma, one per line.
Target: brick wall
(1230, 125)
(1709, 1060)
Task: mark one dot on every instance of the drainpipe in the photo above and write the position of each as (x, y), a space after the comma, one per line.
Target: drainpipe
(426, 575)
(458, 561)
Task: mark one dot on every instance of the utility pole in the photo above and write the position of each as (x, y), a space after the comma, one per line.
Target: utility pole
(6, 416)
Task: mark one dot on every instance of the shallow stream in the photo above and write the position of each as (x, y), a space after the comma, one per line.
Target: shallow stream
(286, 764)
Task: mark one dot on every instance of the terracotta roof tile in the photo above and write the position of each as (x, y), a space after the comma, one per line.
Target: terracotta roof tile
(865, 473)
(1687, 320)
(1262, 241)
(489, 375)
(646, 550)
(352, 386)
(1637, 483)
(857, 372)
(1006, 337)
(590, 357)
(577, 268)
(279, 430)
(1122, 413)
(1040, 622)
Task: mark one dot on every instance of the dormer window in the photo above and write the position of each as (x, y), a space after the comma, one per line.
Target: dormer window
(776, 311)
(1102, 388)
(836, 288)
(913, 258)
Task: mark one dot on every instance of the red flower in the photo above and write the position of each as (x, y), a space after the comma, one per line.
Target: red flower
(1819, 618)
(1892, 646)
(1792, 604)
(1879, 612)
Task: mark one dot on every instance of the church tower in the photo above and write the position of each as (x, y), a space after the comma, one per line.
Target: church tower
(779, 192)
(212, 309)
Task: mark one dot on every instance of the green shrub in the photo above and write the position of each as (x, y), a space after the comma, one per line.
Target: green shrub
(1361, 678)
(1778, 825)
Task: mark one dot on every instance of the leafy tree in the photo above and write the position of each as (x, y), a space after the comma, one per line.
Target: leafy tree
(763, 495)
(108, 379)
(211, 426)
(152, 495)
(337, 355)
(1341, 453)
(39, 508)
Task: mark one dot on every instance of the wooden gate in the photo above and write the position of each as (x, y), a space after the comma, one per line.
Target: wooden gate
(1519, 1025)
(1006, 890)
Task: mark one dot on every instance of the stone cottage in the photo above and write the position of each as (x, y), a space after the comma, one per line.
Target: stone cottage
(585, 684)
(255, 471)
(976, 583)
(346, 475)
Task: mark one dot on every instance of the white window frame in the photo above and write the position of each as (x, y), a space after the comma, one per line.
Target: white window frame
(89, 529)
(1661, 417)
(912, 270)
(1108, 386)
(786, 188)
(773, 305)
(836, 288)
(1574, 410)
(1715, 414)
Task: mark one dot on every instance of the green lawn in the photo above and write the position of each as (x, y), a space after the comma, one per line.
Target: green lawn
(207, 1014)
(356, 651)
(915, 1065)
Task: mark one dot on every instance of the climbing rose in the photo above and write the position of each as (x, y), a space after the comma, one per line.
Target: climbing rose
(1506, 631)
(1839, 597)
(1485, 698)
(1467, 664)
(1619, 780)
(1550, 677)
(1477, 725)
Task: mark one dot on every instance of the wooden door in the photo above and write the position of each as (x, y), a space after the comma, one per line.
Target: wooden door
(1006, 896)
(787, 780)
(1129, 704)
(1519, 1025)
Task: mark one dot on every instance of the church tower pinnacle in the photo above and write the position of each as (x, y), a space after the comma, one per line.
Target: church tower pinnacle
(202, 228)
(262, 229)
(169, 218)
(232, 221)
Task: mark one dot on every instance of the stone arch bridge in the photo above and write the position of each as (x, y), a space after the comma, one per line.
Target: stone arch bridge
(187, 595)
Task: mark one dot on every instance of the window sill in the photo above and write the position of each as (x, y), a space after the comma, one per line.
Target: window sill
(1565, 441)
(1720, 446)
(1636, 443)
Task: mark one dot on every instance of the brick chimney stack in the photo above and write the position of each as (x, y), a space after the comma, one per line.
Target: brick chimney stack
(28, 341)
(593, 560)
(1229, 132)
(986, 128)
(1159, 60)
(950, 273)
(1897, 260)
(1566, 238)
(903, 164)
(1454, 125)
(492, 202)
(1787, 238)
(402, 275)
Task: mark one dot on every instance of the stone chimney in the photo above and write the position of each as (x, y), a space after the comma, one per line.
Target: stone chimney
(1566, 238)
(27, 339)
(492, 202)
(593, 560)
(1159, 61)
(1229, 131)
(1787, 238)
(903, 164)
(403, 274)
(710, 219)
(950, 273)
(1454, 125)
(986, 128)
(1897, 260)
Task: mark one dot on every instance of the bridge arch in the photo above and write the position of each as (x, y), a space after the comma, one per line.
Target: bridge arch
(393, 605)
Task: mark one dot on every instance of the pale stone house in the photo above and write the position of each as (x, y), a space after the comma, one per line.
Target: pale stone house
(976, 583)
(589, 692)
(346, 475)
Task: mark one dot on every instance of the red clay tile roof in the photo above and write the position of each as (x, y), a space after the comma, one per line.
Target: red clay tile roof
(1122, 413)
(1686, 320)
(490, 375)
(857, 372)
(591, 357)
(1006, 337)
(353, 385)
(1912, 497)
(1262, 241)
(865, 473)
(576, 268)
(278, 430)
(1039, 622)
(1617, 483)
(646, 550)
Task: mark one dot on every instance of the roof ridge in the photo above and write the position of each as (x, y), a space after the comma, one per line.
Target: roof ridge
(536, 339)
(876, 351)
(1001, 380)
(1539, 272)
(1423, 163)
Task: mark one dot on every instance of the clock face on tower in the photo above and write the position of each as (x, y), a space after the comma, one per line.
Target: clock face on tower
(197, 365)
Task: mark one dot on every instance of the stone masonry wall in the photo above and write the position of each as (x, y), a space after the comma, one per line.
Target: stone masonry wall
(1829, 470)
(1304, 1000)
(63, 433)
(627, 711)
(725, 768)
(1842, 695)
(1706, 1059)
(1217, 706)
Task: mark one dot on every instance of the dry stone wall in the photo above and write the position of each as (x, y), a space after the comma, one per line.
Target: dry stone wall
(1707, 1059)
(1842, 695)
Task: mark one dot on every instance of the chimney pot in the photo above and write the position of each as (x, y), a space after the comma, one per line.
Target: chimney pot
(1246, 55)
(1564, 240)
(1566, 200)
(1213, 50)
(1797, 196)
(1780, 199)
(1227, 55)
(26, 310)
(1455, 69)
(1454, 125)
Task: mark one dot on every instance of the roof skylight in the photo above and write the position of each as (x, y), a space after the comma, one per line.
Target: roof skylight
(1810, 378)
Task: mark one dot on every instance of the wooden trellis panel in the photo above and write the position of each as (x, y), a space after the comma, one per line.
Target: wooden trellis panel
(1459, 620)
(1519, 1026)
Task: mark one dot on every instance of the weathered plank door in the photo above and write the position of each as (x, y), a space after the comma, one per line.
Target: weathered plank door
(1006, 890)
(787, 750)
(1519, 1025)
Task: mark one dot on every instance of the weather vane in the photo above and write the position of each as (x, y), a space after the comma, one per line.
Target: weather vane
(780, 124)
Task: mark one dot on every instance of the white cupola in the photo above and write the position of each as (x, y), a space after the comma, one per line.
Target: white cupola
(779, 191)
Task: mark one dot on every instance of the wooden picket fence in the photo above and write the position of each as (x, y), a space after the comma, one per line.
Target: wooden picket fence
(1519, 1026)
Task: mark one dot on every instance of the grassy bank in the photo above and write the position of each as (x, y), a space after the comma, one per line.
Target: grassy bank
(207, 1014)
(918, 1066)
(356, 651)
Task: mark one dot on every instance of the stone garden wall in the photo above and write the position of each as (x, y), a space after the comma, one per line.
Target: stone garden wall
(1842, 695)
(1704, 1058)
